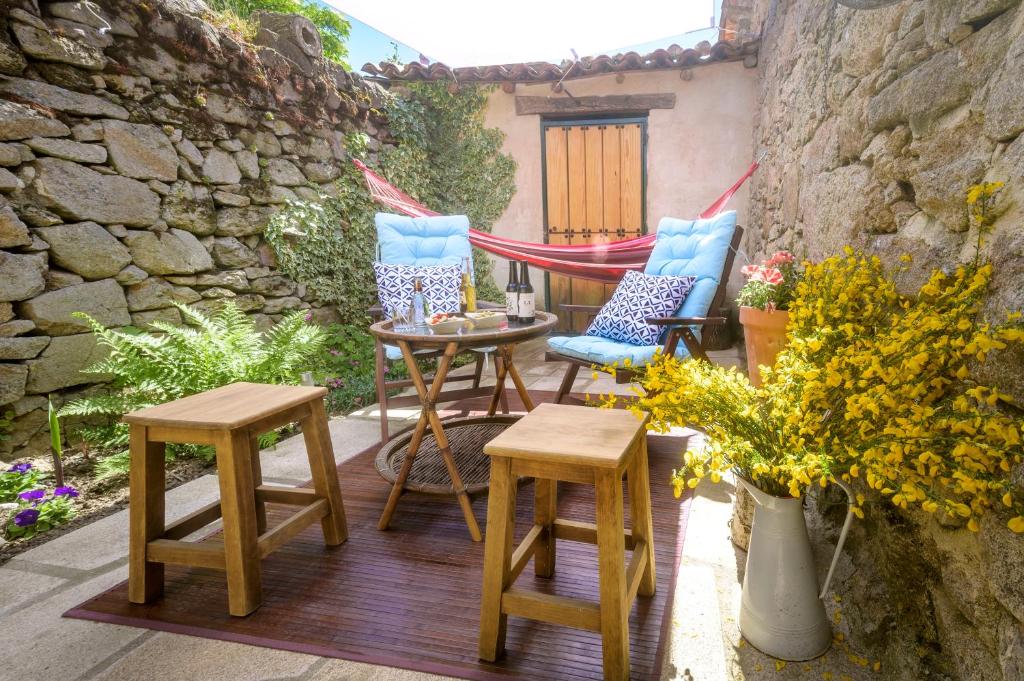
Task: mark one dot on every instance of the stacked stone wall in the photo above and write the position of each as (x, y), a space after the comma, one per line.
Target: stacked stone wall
(142, 152)
(875, 122)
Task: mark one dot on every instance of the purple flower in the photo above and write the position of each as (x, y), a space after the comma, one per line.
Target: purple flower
(33, 495)
(20, 468)
(308, 317)
(27, 517)
(69, 492)
(334, 352)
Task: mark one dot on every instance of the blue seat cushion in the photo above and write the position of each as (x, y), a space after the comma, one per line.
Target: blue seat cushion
(604, 351)
(695, 248)
(439, 240)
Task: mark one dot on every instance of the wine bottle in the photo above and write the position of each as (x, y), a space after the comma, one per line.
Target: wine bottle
(467, 290)
(512, 293)
(418, 305)
(526, 297)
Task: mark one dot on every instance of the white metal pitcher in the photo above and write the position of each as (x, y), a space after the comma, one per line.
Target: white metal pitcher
(782, 613)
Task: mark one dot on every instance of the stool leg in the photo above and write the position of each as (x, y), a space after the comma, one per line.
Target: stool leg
(545, 510)
(257, 480)
(638, 479)
(501, 515)
(611, 547)
(238, 504)
(325, 472)
(146, 515)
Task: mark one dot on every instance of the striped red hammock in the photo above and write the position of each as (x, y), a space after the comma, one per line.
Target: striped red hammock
(607, 262)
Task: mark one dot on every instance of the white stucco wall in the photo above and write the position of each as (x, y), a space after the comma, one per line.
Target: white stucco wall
(694, 151)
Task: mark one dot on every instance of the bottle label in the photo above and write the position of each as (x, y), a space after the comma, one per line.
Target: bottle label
(512, 304)
(526, 304)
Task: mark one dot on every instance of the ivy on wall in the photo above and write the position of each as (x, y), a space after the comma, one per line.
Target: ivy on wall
(449, 160)
(445, 157)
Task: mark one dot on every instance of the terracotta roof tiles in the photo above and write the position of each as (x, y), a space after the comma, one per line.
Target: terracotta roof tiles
(673, 56)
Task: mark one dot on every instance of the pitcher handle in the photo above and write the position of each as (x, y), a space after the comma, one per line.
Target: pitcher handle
(842, 536)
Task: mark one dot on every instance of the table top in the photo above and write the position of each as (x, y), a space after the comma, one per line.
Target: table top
(570, 434)
(515, 333)
(228, 407)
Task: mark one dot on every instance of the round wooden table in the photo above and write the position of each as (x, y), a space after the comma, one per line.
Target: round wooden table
(504, 338)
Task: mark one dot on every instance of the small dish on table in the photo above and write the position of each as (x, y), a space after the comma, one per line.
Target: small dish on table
(487, 319)
(444, 324)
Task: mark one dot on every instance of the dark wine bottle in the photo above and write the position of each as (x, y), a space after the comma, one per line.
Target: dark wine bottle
(526, 296)
(512, 293)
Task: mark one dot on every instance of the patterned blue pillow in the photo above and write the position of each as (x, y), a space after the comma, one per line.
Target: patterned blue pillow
(440, 285)
(638, 297)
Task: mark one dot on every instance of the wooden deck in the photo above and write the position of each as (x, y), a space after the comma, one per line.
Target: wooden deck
(410, 597)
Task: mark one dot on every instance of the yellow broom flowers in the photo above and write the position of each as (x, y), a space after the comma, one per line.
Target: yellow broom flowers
(875, 388)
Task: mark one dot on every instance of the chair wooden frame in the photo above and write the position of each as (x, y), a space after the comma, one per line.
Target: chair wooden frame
(677, 329)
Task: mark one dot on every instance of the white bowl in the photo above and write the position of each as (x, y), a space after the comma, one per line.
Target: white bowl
(448, 326)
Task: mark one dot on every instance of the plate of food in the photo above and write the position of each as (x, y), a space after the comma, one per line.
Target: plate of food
(444, 323)
(486, 319)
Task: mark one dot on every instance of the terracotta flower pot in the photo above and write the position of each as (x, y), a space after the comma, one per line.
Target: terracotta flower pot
(764, 334)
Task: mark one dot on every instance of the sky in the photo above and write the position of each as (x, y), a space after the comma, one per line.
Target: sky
(480, 32)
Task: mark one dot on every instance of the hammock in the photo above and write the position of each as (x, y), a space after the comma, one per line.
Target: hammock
(606, 262)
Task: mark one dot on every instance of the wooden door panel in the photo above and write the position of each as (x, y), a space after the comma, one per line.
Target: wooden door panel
(577, 171)
(556, 175)
(612, 177)
(594, 193)
(560, 286)
(631, 159)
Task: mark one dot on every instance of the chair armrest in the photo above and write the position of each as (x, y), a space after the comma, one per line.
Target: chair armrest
(686, 321)
(592, 309)
(376, 312)
(485, 305)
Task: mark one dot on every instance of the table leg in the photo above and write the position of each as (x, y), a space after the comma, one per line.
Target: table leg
(500, 372)
(506, 354)
(146, 515)
(429, 417)
(403, 473)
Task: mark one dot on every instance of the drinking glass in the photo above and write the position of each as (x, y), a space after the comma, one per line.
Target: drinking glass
(401, 318)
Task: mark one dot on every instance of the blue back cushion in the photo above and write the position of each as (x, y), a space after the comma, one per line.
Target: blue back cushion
(440, 240)
(694, 248)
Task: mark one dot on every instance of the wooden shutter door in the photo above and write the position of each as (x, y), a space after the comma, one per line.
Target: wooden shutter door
(594, 194)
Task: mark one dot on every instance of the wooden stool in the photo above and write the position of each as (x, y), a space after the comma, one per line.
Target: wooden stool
(575, 444)
(230, 419)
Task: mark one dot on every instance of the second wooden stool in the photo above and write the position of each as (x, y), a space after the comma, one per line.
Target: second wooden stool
(575, 444)
(230, 419)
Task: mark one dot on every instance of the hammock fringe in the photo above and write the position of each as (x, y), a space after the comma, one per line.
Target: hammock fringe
(607, 262)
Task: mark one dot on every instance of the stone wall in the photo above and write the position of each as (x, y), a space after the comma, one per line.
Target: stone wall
(142, 152)
(875, 122)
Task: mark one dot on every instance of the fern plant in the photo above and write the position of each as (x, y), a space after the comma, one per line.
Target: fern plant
(207, 352)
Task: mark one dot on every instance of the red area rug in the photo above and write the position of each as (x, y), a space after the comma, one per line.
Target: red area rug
(409, 597)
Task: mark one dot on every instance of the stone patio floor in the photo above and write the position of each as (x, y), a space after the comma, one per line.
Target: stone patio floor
(39, 585)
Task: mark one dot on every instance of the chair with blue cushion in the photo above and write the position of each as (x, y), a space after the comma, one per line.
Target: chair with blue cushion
(425, 242)
(702, 248)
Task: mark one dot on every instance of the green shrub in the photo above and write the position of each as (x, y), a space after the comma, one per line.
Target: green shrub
(445, 157)
(347, 367)
(209, 352)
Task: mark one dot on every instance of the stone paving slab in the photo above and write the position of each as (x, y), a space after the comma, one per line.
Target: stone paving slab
(170, 657)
